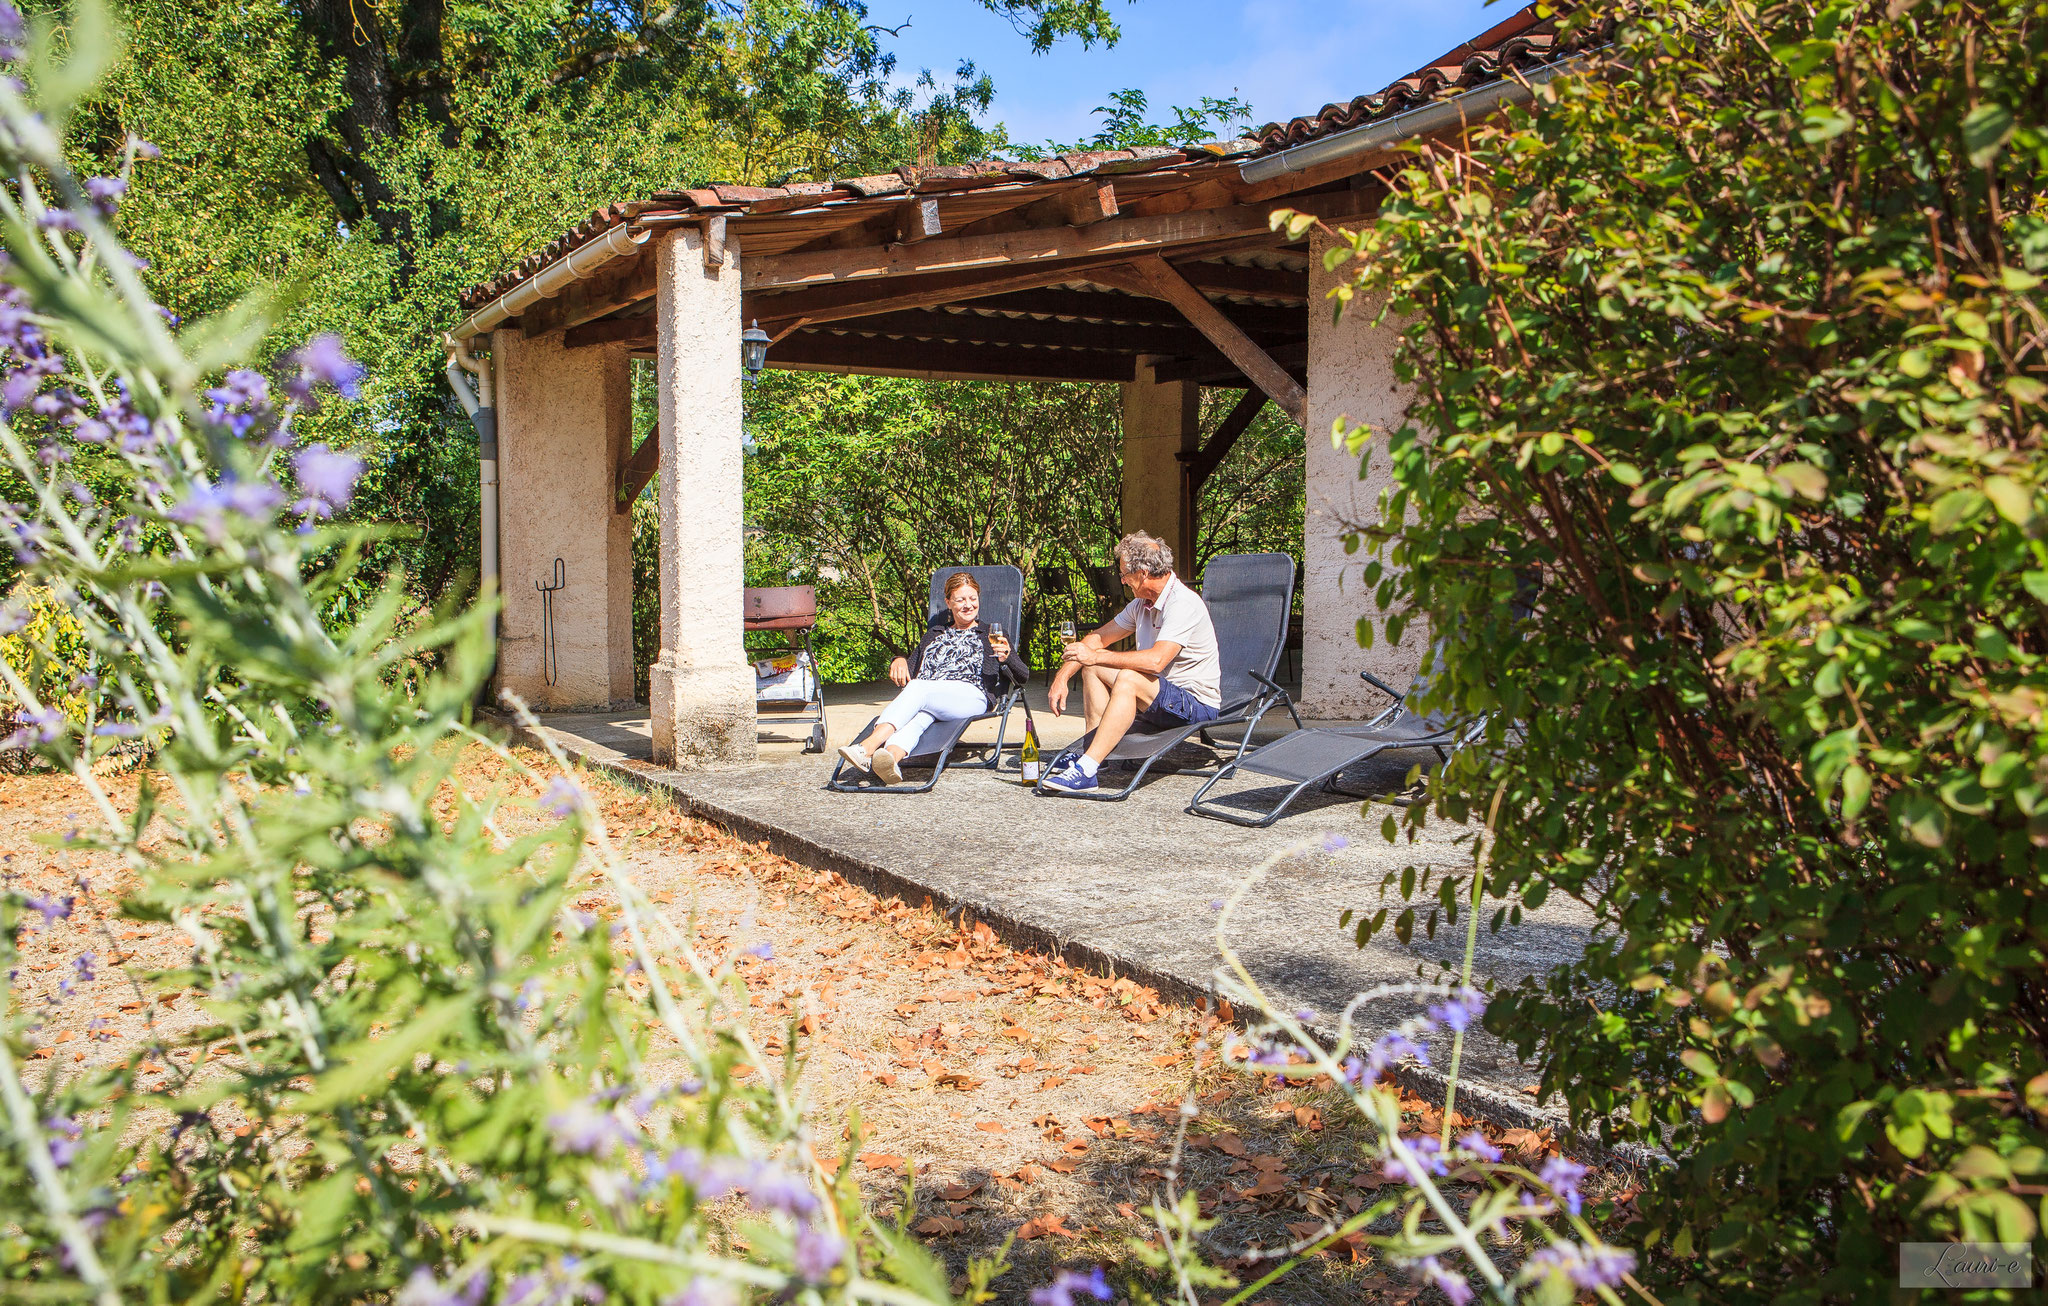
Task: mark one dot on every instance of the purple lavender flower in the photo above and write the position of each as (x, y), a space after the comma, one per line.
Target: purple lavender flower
(105, 193)
(704, 1292)
(562, 797)
(43, 726)
(1428, 1153)
(422, 1289)
(63, 1142)
(142, 148)
(1272, 1057)
(1216, 904)
(117, 730)
(1391, 1048)
(1448, 1282)
(12, 29)
(1475, 1143)
(327, 477)
(1305, 1014)
(772, 1188)
(1460, 1011)
(1586, 1267)
(83, 964)
(1562, 1177)
(584, 1130)
(240, 401)
(58, 220)
(324, 360)
(1060, 1292)
(818, 1253)
(19, 390)
(764, 950)
(1335, 843)
(210, 506)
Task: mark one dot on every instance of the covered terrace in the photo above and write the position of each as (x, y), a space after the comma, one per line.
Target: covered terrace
(1157, 269)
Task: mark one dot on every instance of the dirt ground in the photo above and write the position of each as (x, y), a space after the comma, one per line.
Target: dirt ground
(1005, 1092)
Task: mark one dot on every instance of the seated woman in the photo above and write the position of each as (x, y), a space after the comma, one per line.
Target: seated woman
(954, 673)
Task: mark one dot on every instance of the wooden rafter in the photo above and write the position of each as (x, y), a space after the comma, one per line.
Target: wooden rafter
(1198, 464)
(637, 470)
(1226, 335)
(1129, 237)
(816, 350)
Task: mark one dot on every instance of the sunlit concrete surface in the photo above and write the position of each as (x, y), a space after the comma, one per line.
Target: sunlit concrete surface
(1129, 885)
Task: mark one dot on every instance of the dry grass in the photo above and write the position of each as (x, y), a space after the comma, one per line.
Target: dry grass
(999, 1091)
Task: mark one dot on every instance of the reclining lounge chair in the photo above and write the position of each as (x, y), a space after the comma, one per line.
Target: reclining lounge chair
(1002, 600)
(1309, 757)
(1249, 596)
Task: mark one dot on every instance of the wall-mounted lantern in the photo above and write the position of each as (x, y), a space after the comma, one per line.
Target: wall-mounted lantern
(754, 344)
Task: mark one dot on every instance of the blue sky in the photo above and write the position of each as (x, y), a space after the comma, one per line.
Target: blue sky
(1288, 57)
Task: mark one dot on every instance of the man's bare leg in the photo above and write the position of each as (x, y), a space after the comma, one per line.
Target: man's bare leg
(1132, 694)
(1096, 683)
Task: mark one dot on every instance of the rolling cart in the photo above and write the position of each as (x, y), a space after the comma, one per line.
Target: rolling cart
(787, 678)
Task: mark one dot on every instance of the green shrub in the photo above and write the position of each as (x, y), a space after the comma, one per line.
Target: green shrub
(1733, 348)
(421, 1076)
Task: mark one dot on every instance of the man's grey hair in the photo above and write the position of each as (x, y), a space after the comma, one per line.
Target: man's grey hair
(1139, 552)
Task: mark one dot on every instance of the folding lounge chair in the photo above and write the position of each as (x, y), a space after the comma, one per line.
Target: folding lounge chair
(1309, 757)
(1249, 596)
(1002, 599)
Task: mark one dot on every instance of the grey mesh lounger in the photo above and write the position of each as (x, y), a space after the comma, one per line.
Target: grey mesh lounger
(1002, 599)
(1249, 596)
(1310, 757)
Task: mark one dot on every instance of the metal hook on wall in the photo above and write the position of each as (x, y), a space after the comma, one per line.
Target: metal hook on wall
(550, 665)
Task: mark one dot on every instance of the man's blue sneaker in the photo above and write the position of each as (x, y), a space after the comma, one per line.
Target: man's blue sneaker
(1070, 780)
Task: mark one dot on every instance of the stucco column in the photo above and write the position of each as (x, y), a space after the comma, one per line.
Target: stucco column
(702, 686)
(1161, 419)
(564, 421)
(1350, 380)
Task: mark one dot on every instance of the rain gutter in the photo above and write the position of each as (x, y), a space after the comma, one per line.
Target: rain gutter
(1428, 120)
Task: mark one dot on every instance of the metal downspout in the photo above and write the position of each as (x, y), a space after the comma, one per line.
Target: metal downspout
(483, 414)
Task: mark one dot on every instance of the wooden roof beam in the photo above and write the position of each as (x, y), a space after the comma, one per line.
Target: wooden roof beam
(831, 303)
(1131, 237)
(917, 219)
(1226, 335)
(1294, 358)
(925, 357)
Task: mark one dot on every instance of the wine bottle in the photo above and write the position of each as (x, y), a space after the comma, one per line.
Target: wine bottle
(1029, 757)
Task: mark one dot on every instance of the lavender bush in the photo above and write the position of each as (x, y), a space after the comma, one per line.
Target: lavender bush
(1523, 1238)
(423, 1078)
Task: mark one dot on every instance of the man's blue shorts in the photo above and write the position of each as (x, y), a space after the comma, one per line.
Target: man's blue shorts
(1172, 708)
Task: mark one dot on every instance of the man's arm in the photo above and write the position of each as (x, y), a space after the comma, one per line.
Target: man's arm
(1093, 651)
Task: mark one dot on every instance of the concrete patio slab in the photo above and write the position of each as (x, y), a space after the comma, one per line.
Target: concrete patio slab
(1124, 886)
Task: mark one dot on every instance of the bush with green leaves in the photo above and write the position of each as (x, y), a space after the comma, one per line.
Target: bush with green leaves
(429, 1081)
(1730, 352)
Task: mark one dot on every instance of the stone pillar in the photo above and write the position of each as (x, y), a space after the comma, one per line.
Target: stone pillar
(702, 685)
(564, 422)
(1161, 419)
(1350, 379)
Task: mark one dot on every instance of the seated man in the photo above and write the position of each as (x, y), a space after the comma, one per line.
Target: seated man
(1173, 677)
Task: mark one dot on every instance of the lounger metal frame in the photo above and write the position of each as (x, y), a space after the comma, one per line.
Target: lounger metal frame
(1248, 655)
(1372, 737)
(935, 749)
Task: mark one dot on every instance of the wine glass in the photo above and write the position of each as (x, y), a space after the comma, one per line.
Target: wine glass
(995, 631)
(1066, 632)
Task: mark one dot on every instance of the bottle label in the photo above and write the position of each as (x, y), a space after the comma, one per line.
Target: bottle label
(1031, 773)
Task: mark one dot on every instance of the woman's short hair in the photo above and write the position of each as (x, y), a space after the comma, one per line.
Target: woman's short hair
(959, 578)
(1139, 552)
